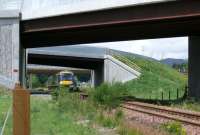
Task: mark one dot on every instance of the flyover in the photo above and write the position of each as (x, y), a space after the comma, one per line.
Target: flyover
(37, 69)
(144, 21)
(83, 75)
(130, 22)
(99, 61)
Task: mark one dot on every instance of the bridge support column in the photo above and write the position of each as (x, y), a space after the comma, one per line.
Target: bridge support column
(99, 75)
(194, 67)
(22, 71)
(92, 78)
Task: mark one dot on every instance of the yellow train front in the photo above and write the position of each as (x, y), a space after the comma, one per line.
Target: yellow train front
(67, 79)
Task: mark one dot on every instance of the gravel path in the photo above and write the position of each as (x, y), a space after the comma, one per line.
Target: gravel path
(43, 96)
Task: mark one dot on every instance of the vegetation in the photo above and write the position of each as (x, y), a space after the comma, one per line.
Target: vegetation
(108, 95)
(183, 68)
(97, 109)
(155, 78)
(123, 130)
(67, 114)
(5, 103)
(54, 118)
(39, 80)
(188, 104)
(174, 128)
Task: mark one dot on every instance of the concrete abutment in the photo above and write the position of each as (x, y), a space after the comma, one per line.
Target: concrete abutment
(194, 67)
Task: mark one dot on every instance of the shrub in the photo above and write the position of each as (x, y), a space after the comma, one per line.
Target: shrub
(174, 128)
(55, 94)
(70, 102)
(108, 119)
(108, 95)
(119, 114)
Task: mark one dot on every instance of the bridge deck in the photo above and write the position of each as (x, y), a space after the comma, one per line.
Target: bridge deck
(156, 20)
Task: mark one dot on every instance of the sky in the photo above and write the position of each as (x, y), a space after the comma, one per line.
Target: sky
(155, 48)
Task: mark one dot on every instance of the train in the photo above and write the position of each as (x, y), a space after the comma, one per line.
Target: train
(68, 79)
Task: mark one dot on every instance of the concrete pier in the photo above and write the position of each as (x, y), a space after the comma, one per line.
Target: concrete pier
(9, 48)
(194, 67)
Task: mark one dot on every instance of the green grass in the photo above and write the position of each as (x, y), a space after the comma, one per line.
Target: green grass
(155, 78)
(5, 103)
(108, 95)
(123, 130)
(188, 105)
(48, 119)
(69, 115)
(174, 128)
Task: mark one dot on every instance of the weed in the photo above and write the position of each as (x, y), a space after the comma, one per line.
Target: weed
(124, 130)
(174, 128)
(119, 114)
(108, 95)
(106, 119)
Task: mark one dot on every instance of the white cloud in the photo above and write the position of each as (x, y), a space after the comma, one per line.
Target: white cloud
(155, 48)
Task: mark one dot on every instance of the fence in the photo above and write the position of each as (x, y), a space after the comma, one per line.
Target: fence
(171, 95)
(164, 100)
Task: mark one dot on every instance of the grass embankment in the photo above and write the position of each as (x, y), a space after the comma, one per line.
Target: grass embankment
(69, 115)
(5, 102)
(155, 78)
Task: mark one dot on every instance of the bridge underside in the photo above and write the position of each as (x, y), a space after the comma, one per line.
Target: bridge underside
(95, 64)
(156, 20)
(50, 70)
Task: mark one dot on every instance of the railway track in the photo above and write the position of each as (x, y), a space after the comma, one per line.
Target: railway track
(184, 116)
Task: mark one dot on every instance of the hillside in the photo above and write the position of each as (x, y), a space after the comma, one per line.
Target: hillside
(171, 61)
(155, 79)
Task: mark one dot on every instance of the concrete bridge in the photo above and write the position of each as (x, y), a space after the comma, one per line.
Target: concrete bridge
(49, 70)
(129, 22)
(105, 68)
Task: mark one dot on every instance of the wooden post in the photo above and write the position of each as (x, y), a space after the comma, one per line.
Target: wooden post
(21, 111)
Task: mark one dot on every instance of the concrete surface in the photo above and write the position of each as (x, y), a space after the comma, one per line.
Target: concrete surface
(116, 71)
(194, 66)
(9, 48)
(106, 69)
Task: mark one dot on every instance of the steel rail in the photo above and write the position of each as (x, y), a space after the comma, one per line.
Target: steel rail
(168, 109)
(164, 112)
